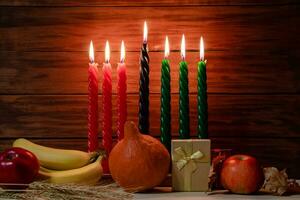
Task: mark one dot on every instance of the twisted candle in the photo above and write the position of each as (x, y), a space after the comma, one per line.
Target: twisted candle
(202, 96)
(202, 101)
(165, 107)
(144, 87)
(121, 90)
(93, 108)
(184, 118)
(92, 102)
(107, 109)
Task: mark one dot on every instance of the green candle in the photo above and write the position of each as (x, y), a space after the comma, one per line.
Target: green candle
(202, 96)
(165, 107)
(184, 119)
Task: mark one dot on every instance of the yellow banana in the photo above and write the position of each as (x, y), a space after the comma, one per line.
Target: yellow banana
(89, 174)
(57, 159)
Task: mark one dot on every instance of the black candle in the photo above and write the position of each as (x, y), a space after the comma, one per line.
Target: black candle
(144, 86)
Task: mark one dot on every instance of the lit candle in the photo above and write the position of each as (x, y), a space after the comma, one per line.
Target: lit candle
(107, 108)
(165, 106)
(144, 86)
(184, 119)
(202, 95)
(122, 107)
(92, 102)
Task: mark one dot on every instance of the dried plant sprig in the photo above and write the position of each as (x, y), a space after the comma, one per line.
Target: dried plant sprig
(106, 189)
(277, 182)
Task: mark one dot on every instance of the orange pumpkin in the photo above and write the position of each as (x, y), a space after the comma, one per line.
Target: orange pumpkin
(138, 162)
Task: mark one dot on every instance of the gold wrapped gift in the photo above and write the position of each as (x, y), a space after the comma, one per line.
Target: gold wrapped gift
(190, 165)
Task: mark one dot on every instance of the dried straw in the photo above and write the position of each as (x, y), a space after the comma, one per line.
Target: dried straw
(105, 190)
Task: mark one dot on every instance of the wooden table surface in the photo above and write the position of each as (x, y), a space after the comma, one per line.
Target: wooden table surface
(166, 194)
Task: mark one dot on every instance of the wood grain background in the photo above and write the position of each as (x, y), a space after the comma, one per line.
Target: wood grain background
(253, 53)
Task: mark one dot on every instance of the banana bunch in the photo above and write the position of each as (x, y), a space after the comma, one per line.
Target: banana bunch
(89, 174)
(64, 166)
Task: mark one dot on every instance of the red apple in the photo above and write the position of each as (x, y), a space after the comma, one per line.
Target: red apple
(18, 166)
(242, 174)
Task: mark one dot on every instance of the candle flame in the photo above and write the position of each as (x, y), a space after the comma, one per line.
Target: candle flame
(201, 49)
(91, 52)
(122, 59)
(107, 52)
(183, 47)
(145, 32)
(167, 48)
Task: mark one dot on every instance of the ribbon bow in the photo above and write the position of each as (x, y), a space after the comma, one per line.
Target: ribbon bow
(182, 159)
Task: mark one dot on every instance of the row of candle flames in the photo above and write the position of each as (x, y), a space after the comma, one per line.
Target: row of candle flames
(122, 52)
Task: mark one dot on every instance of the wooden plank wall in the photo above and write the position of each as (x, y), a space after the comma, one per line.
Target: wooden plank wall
(252, 47)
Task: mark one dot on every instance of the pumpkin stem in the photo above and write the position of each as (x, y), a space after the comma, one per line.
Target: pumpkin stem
(130, 130)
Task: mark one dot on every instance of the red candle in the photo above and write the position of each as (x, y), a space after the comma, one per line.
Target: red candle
(107, 108)
(92, 102)
(122, 109)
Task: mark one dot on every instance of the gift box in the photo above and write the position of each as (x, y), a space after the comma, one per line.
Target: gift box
(190, 165)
